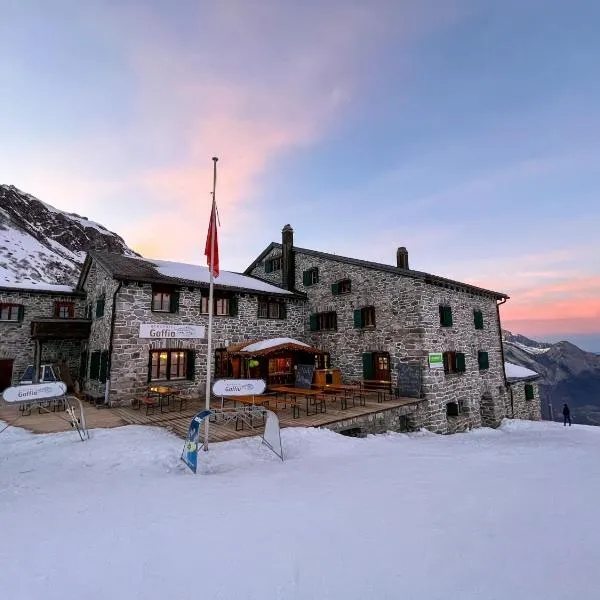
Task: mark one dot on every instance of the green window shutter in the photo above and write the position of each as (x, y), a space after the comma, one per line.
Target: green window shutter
(446, 362)
(100, 307)
(283, 310)
(174, 301)
(358, 318)
(315, 271)
(21, 312)
(103, 367)
(94, 365)
(447, 316)
(368, 371)
(149, 366)
(335, 288)
(233, 307)
(484, 361)
(314, 322)
(460, 362)
(335, 320)
(478, 318)
(528, 391)
(306, 278)
(191, 365)
(268, 266)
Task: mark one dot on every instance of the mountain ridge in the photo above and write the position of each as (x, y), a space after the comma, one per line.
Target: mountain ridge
(39, 242)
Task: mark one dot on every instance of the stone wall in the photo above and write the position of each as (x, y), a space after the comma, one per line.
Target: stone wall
(407, 326)
(481, 394)
(400, 418)
(97, 284)
(521, 408)
(15, 337)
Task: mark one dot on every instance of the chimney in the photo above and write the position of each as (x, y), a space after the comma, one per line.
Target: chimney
(288, 270)
(402, 258)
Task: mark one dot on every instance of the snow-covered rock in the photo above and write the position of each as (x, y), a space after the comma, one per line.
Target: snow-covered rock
(39, 243)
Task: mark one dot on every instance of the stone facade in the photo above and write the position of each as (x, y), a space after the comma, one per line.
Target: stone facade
(519, 407)
(407, 326)
(400, 418)
(16, 343)
(130, 353)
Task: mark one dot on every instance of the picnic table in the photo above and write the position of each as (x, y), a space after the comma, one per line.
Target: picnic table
(348, 391)
(306, 393)
(165, 394)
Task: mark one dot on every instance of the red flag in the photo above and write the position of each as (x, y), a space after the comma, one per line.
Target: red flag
(212, 259)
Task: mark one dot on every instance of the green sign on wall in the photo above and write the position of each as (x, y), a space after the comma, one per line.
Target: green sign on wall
(436, 360)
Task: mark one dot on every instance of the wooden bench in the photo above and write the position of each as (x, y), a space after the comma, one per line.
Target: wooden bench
(380, 386)
(150, 402)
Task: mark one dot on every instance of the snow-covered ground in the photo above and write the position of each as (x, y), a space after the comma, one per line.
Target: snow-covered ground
(491, 514)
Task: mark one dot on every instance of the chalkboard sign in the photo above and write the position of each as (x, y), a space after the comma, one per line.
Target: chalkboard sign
(304, 376)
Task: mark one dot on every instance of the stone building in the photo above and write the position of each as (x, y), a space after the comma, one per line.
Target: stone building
(149, 320)
(390, 322)
(40, 318)
(524, 400)
(133, 321)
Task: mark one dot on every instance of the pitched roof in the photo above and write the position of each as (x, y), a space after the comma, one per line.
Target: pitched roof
(171, 273)
(263, 347)
(518, 372)
(367, 264)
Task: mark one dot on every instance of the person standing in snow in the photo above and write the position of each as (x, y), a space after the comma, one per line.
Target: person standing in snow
(566, 415)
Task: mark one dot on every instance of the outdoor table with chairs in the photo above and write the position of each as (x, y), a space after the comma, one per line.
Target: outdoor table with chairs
(162, 396)
(344, 392)
(291, 395)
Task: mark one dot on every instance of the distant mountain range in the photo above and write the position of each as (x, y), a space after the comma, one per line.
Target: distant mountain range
(568, 375)
(41, 243)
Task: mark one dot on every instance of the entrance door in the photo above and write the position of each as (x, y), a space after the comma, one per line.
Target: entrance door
(376, 365)
(381, 366)
(6, 370)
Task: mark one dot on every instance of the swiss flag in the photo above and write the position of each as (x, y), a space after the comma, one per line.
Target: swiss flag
(212, 259)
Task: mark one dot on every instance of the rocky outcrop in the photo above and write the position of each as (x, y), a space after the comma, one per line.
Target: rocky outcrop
(41, 243)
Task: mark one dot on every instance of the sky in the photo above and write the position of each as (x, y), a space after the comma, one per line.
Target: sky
(466, 130)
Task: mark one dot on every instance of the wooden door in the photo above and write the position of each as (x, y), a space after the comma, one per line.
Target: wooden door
(6, 370)
(381, 366)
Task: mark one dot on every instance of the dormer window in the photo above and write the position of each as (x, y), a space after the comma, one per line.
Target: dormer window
(273, 264)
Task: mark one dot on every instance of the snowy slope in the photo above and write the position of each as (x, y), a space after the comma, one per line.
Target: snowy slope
(506, 514)
(41, 243)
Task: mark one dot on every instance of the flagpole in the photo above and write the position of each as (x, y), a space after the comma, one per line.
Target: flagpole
(213, 229)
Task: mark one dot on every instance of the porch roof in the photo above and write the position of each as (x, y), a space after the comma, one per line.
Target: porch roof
(267, 346)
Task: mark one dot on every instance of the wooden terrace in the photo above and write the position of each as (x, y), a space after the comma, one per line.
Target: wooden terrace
(176, 417)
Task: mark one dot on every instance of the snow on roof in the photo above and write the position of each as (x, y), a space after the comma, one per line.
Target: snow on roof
(201, 275)
(264, 344)
(518, 372)
(35, 286)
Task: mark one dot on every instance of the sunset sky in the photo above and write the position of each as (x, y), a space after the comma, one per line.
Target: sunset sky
(466, 130)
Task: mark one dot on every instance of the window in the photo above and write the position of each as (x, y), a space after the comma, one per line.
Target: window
(341, 287)
(478, 319)
(452, 409)
(11, 312)
(222, 305)
(222, 363)
(364, 317)
(95, 364)
(165, 299)
(484, 360)
(454, 362)
(310, 277)
(100, 307)
(171, 364)
(445, 316)
(325, 321)
(271, 309)
(273, 264)
(529, 395)
(64, 310)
